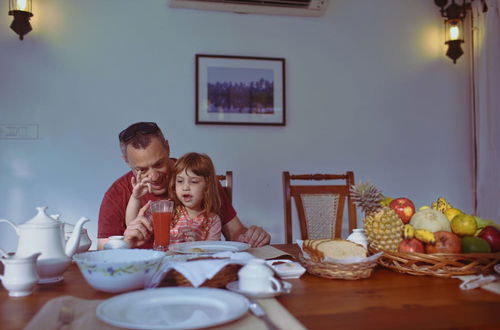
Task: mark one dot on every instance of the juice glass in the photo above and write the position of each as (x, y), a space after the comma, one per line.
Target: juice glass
(162, 217)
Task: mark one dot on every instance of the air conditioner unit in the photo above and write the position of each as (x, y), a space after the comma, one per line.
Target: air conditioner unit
(268, 7)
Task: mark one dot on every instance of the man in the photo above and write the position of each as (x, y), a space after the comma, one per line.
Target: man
(147, 152)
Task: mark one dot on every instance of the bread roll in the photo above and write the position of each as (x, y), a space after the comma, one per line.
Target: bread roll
(335, 248)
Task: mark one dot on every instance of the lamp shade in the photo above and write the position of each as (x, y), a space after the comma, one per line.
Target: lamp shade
(454, 29)
(20, 5)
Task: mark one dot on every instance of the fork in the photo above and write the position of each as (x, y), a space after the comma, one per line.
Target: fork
(257, 310)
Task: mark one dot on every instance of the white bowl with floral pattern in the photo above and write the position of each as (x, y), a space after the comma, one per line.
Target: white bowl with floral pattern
(118, 270)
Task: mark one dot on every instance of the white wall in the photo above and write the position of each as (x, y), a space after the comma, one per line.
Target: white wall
(369, 89)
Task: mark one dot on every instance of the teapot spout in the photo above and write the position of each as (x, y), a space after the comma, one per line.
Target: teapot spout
(74, 240)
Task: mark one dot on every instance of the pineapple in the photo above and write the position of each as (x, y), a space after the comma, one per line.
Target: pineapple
(383, 227)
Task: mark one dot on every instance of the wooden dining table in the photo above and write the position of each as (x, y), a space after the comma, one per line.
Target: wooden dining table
(385, 300)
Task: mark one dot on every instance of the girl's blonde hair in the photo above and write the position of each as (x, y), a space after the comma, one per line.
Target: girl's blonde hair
(201, 165)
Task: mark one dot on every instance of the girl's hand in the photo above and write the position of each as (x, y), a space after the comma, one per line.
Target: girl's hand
(140, 186)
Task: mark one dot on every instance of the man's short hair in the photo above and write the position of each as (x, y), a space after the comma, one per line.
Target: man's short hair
(140, 135)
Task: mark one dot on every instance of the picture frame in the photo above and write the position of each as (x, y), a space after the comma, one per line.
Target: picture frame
(238, 90)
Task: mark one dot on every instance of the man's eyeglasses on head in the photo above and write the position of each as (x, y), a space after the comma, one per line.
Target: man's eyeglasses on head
(143, 127)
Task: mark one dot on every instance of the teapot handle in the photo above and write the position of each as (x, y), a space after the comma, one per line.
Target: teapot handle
(12, 224)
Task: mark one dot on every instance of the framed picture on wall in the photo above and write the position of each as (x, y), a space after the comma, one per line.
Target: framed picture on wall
(235, 90)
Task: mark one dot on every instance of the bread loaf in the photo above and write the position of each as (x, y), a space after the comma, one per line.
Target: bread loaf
(335, 248)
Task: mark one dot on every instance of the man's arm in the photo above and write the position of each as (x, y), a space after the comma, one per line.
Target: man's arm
(235, 231)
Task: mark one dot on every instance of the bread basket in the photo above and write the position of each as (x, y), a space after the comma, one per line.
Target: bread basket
(333, 270)
(227, 274)
(439, 264)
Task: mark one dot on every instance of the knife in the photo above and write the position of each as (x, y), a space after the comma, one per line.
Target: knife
(258, 311)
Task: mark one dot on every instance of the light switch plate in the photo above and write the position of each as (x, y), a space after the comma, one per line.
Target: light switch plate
(19, 132)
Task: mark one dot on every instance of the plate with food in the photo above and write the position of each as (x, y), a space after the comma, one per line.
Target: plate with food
(172, 308)
(208, 247)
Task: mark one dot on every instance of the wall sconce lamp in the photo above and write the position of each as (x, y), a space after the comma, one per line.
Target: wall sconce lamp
(454, 15)
(21, 10)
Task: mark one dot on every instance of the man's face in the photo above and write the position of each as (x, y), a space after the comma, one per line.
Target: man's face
(152, 163)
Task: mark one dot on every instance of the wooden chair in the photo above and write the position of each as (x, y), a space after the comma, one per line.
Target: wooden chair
(320, 208)
(226, 181)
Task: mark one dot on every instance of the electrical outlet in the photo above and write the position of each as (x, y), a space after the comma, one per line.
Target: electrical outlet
(19, 132)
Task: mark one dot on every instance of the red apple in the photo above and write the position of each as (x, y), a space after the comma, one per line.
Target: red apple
(491, 235)
(411, 245)
(446, 242)
(404, 208)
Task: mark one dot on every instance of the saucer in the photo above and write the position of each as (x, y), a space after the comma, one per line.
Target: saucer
(47, 280)
(235, 287)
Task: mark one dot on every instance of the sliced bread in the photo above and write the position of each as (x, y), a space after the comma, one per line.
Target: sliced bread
(335, 248)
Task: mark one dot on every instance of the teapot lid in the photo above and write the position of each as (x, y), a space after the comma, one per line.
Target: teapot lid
(41, 219)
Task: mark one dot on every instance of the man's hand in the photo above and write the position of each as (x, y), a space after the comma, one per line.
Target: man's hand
(255, 236)
(139, 231)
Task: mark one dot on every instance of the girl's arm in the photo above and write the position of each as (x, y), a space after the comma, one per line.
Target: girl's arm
(140, 188)
(132, 210)
(214, 228)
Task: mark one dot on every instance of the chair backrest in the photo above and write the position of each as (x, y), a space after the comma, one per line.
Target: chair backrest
(320, 207)
(226, 181)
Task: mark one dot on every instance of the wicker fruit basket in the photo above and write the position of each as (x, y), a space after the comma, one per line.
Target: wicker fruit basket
(332, 270)
(439, 264)
(227, 274)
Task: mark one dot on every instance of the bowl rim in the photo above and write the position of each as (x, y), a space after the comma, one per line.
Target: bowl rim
(82, 257)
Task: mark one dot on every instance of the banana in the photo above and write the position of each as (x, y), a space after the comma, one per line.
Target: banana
(441, 204)
(425, 236)
(408, 231)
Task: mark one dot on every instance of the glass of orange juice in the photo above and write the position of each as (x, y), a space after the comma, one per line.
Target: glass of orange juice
(161, 212)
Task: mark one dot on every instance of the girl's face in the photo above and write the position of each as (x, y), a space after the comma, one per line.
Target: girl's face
(189, 189)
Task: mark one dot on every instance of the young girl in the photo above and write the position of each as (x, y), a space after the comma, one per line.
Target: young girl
(197, 201)
(193, 187)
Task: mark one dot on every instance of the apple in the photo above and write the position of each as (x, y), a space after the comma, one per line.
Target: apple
(403, 207)
(491, 235)
(446, 242)
(411, 245)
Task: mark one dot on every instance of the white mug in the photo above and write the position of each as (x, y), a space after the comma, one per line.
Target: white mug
(257, 277)
(20, 276)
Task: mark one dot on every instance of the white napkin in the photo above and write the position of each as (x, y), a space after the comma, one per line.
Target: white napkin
(488, 282)
(352, 260)
(198, 271)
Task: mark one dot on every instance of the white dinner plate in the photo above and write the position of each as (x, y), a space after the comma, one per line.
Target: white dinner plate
(497, 268)
(208, 247)
(172, 308)
(235, 287)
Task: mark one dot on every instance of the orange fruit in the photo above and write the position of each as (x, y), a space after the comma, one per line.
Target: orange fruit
(463, 225)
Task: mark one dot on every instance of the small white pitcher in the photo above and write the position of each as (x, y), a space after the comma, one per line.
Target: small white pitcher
(19, 275)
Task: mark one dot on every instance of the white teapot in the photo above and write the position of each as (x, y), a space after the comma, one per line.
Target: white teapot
(45, 234)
